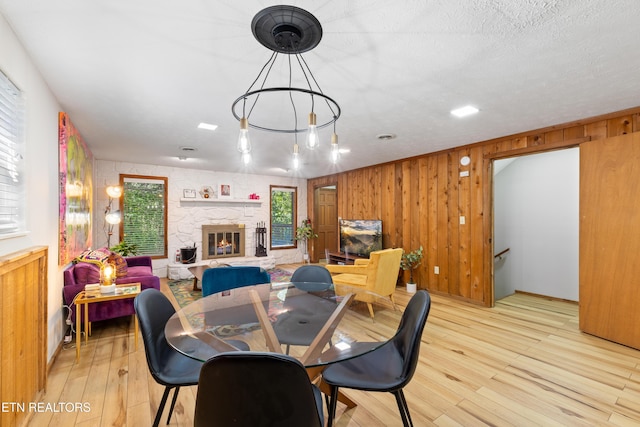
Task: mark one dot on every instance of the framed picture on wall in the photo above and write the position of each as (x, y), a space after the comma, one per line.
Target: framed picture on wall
(76, 191)
(225, 191)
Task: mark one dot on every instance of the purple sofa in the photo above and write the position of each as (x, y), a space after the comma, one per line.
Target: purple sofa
(139, 270)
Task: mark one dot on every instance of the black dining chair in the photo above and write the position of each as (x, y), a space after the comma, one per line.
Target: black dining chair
(168, 367)
(388, 368)
(299, 336)
(311, 273)
(248, 389)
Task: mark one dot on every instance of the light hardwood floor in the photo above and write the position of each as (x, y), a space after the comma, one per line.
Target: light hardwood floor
(522, 363)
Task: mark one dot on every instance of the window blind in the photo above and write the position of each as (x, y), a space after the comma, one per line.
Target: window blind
(11, 146)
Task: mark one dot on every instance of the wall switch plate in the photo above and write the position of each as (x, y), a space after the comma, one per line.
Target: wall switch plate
(436, 270)
(463, 220)
(464, 173)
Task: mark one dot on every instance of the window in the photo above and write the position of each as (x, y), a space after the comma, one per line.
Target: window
(11, 144)
(283, 215)
(144, 213)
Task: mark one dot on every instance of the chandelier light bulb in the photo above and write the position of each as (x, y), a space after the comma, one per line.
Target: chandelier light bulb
(296, 156)
(246, 158)
(335, 151)
(244, 143)
(312, 135)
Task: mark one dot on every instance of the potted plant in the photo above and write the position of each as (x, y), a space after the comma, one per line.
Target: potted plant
(125, 249)
(304, 233)
(410, 261)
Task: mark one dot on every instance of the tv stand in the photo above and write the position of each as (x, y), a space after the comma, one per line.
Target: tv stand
(342, 258)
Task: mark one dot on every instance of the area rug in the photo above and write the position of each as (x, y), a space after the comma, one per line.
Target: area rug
(183, 289)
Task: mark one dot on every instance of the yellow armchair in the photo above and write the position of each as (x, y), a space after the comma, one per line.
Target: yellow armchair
(378, 274)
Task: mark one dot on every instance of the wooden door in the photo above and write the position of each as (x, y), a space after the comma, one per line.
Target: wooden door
(610, 239)
(326, 213)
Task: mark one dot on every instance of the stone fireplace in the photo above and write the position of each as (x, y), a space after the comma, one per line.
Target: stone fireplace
(223, 241)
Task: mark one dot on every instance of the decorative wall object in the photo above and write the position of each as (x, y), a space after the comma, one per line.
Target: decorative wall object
(224, 191)
(76, 191)
(206, 192)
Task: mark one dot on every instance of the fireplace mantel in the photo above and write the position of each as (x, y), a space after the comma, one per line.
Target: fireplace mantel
(221, 201)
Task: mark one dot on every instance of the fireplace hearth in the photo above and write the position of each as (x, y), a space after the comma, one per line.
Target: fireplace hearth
(223, 241)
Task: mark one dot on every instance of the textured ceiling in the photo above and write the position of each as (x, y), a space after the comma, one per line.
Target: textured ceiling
(138, 76)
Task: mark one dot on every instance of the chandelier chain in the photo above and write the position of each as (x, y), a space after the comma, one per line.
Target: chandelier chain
(293, 104)
(302, 63)
(317, 85)
(269, 63)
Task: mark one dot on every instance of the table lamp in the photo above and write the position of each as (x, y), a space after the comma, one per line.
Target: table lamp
(107, 278)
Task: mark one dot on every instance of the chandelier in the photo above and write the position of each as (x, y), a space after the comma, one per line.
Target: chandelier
(291, 31)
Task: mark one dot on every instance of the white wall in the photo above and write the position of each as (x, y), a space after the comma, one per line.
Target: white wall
(536, 213)
(41, 172)
(41, 181)
(186, 219)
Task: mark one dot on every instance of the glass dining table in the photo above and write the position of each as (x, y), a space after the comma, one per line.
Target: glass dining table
(316, 324)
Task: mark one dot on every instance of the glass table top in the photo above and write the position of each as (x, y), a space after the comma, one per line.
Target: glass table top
(312, 321)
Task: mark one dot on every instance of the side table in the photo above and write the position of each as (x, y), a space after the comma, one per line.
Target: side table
(123, 291)
(197, 272)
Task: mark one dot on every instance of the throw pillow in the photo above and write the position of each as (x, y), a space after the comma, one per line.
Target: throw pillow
(120, 263)
(96, 256)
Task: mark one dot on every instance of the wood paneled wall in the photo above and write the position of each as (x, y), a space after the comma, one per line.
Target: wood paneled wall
(23, 332)
(421, 199)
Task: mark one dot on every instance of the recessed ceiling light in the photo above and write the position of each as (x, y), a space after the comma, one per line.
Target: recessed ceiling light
(386, 136)
(207, 126)
(467, 110)
(188, 149)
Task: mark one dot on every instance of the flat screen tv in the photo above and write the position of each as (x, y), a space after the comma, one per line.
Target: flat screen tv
(360, 236)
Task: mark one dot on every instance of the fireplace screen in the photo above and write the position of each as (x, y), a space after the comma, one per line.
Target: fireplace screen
(224, 244)
(219, 241)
